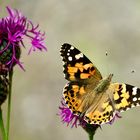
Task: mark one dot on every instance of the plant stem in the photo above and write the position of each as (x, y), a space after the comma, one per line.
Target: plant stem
(90, 129)
(91, 137)
(9, 104)
(2, 126)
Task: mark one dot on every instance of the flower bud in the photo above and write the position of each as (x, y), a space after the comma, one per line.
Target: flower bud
(3, 89)
(7, 53)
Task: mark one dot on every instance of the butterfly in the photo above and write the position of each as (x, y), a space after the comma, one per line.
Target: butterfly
(89, 95)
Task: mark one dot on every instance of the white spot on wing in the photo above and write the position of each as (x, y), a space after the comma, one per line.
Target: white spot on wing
(70, 58)
(132, 105)
(134, 99)
(68, 54)
(80, 55)
(127, 108)
(134, 91)
(71, 47)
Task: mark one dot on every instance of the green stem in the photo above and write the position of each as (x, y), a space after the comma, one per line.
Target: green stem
(9, 103)
(90, 129)
(91, 137)
(2, 126)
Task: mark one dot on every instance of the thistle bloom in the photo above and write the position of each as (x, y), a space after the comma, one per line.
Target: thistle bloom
(3, 89)
(71, 119)
(68, 117)
(13, 29)
(116, 116)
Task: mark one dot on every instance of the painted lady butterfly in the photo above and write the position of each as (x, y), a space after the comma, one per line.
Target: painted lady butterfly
(88, 94)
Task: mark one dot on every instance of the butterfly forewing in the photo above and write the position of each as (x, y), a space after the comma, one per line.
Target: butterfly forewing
(77, 66)
(125, 96)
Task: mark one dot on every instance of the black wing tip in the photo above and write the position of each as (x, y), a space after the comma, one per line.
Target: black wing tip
(66, 44)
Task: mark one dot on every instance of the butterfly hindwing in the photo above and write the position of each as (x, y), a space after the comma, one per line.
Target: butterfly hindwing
(104, 113)
(125, 96)
(76, 65)
(73, 94)
(102, 110)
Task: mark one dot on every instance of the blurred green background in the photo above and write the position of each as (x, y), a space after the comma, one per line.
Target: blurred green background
(94, 27)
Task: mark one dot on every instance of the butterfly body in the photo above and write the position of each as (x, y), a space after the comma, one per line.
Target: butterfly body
(89, 95)
(103, 84)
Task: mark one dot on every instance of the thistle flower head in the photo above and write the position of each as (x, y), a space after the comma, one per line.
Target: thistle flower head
(3, 69)
(13, 29)
(74, 120)
(3, 89)
(116, 116)
(68, 117)
(71, 119)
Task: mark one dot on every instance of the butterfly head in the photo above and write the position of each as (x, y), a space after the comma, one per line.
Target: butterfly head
(109, 77)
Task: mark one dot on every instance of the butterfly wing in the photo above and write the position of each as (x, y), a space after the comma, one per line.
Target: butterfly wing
(77, 67)
(125, 96)
(118, 98)
(74, 94)
(80, 71)
(102, 110)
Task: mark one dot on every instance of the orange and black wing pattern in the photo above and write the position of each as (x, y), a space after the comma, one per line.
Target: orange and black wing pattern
(77, 66)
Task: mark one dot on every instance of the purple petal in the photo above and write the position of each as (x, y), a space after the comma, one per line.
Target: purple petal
(116, 116)
(68, 117)
(13, 29)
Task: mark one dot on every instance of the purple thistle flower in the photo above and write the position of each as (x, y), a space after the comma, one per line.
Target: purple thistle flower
(68, 117)
(13, 29)
(116, 116)
(3, 88)
(3, 69)
(74, 120)
(71, 119)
